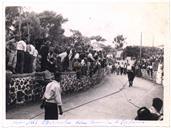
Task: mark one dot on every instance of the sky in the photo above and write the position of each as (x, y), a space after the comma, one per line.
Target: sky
(111, 18)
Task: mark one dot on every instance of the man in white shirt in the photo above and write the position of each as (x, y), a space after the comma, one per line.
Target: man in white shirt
(52, 97)
(21, 49)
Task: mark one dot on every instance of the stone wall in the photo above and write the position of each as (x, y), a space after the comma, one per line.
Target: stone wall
(25, 88)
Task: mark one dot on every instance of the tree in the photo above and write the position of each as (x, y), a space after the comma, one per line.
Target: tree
(80, 42)
(23, 24)
(119, 41)
(97, 38)
(30, 27)
(12, 14)
(107, 49)
(147, 52)
(52, 25)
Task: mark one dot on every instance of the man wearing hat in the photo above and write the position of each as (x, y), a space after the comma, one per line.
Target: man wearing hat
(52, 97)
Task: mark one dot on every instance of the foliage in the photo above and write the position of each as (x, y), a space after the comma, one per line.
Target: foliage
(134, 51)
(37, 28)
(80, 42)
(97, 38)
(119, 41)
(52, 25)
(12, 15)
(34, 28)
(107, 49)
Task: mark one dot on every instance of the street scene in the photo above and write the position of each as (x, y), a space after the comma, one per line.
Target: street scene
(86, 61)
(104, 101)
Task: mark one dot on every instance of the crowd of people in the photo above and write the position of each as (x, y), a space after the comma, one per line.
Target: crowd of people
(151, 67)
(83, 63)
(120, 67)
(23, 57)
(150, 64)
(124, 67)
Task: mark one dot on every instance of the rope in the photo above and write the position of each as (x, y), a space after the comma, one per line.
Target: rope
(129, 100)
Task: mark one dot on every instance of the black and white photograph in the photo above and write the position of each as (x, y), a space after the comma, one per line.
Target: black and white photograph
(99, 60)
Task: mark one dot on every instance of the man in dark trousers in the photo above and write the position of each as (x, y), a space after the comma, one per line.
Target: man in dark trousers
(131, 74)
(21, 49)
(52, 97)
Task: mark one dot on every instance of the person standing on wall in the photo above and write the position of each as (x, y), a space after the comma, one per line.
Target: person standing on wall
(29, 58)
(52, 97)
(21, 49)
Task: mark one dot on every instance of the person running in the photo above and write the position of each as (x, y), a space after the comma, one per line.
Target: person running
(131, 74)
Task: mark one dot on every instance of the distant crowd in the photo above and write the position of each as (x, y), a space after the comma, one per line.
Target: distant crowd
(151, 64)
(148, 65)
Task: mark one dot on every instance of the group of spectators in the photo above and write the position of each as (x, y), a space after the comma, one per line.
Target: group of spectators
(152, 68)
(150, 64)
(145, 66)
(120, 67)
(83, 63)
(21, 56)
